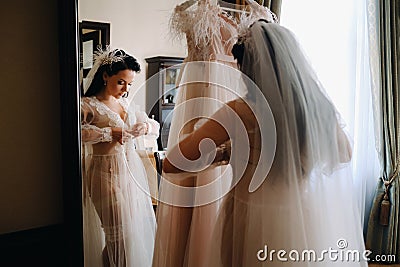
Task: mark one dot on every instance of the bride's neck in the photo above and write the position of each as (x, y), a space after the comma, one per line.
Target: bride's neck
(103, 96)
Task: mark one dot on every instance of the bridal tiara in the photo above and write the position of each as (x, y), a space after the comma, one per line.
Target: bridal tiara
(100, 58)
(107, 57)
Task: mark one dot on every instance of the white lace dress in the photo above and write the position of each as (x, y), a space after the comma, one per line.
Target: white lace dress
(117, 208)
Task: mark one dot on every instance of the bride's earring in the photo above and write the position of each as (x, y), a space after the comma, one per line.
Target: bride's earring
(105, 82)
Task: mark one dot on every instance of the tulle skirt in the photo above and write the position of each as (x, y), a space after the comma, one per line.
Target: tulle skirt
(185, 234)
(290, 222)
(119, 221)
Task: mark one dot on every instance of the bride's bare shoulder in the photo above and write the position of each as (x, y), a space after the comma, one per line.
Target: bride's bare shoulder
(240, 106)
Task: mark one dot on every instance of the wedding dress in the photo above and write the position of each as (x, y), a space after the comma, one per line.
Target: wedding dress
(210, 35)
(291, 204)
(117, 209)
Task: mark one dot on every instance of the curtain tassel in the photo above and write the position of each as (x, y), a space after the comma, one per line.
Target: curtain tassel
(385, 209)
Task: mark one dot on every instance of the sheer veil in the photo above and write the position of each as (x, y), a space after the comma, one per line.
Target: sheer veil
(305, 201)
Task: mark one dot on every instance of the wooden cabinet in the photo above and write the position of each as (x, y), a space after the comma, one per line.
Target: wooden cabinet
(162, 74)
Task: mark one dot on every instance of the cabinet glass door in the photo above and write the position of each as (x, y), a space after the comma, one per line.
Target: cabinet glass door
(169, 89)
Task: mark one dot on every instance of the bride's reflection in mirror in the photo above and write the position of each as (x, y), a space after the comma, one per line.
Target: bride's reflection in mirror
(118, 216)
(119, 222)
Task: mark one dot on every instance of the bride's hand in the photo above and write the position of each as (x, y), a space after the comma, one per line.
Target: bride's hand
(117, 133)
(140, 128)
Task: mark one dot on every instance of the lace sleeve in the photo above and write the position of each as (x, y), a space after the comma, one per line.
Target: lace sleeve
(90, 133)
(154, 128)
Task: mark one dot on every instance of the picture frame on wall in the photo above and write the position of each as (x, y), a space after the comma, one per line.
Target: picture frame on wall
(92, 35)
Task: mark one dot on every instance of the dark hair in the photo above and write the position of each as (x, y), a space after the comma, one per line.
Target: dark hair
(128, 63)
(238, 51)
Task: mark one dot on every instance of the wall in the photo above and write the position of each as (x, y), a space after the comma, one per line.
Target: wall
(30, 159)
(139, 27)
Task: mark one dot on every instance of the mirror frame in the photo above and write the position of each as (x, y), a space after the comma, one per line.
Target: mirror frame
(70, 129)
(99, 34)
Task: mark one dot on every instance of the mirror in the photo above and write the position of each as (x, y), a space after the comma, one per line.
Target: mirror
(141, 29)
(92, 34)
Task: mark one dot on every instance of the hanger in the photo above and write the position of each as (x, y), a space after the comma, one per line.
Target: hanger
(224, 5)
(229, 7)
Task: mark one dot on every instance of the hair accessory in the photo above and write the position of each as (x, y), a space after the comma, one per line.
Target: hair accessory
(107, 57)
(102, 57)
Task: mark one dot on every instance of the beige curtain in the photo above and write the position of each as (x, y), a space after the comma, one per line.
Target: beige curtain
(383, 237)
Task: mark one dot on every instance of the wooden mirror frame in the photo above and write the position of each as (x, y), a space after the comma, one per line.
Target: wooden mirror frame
(70, 128)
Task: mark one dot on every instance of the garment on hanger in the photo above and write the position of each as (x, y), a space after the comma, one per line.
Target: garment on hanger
(183, 232)
(208, 79)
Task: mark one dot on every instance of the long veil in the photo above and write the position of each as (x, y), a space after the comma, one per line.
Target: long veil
(304, 206)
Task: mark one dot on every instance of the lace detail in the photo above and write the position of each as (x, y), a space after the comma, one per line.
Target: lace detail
(94, 134)
(102, 109)
(107, 135)
(124, 103)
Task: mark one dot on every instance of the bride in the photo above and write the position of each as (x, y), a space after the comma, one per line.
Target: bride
(118, 217)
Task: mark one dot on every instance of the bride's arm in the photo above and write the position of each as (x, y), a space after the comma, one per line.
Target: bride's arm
(215, 129)
(90, 133)
(189, 147)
